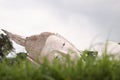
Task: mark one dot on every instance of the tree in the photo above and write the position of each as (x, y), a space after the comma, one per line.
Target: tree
(5, 45)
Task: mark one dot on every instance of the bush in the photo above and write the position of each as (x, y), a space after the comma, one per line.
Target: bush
(86, 68)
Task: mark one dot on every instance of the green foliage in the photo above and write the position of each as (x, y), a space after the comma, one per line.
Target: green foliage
(86, 68)
(5, 44)
(87, 55)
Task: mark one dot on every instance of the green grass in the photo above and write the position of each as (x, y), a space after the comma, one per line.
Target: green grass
(86, 68)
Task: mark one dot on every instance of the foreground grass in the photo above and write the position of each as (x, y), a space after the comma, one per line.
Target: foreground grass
(86, 68)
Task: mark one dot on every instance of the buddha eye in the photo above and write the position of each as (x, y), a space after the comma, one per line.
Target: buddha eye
(63, 44)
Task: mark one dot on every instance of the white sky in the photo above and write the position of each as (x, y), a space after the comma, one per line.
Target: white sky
(79, 21)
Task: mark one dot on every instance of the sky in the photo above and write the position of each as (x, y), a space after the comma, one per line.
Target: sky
(82, 22)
